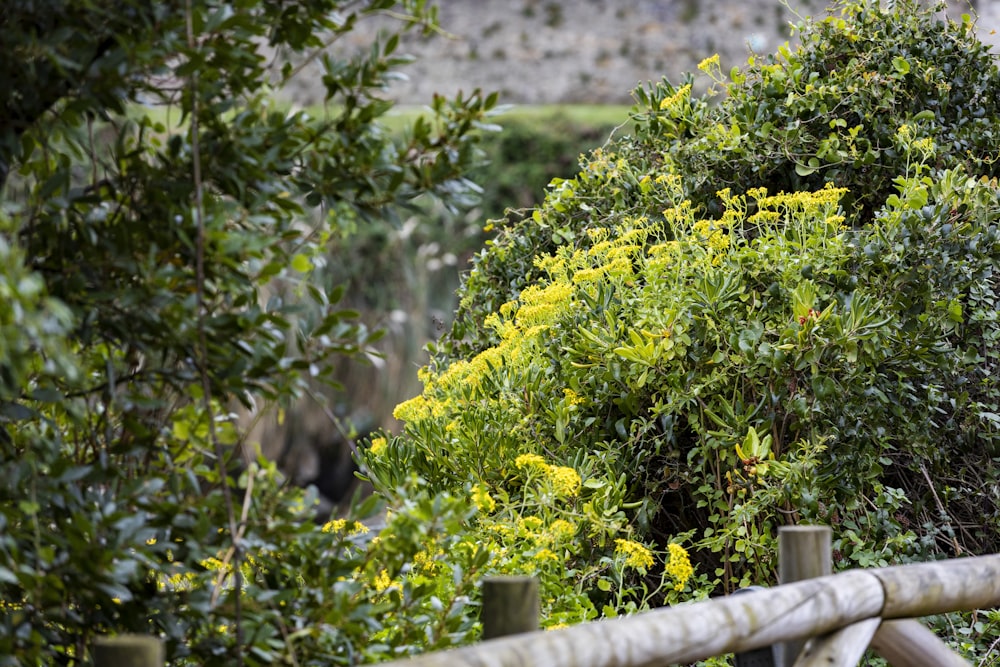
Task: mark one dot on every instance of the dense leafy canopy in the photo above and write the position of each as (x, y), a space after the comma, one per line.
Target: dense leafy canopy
(161, 219)
(778, 308)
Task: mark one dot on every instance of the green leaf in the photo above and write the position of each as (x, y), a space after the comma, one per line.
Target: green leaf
(301, 263)
(28, 507)
(804, 170)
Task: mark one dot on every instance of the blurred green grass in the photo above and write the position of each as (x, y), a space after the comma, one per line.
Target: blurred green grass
(399, 117)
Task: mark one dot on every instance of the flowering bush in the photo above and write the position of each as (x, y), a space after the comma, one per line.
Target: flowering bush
(777, 309)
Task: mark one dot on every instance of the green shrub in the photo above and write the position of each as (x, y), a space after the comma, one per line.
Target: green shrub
(828, 111)
(777, 309)
(138, 260)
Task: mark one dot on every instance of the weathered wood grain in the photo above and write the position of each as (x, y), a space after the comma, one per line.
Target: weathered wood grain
(510, 606)
(924, 589)
(687, 633)
(684, 633)
(909, 643)
(841, 648)
(128, 651)
(804, 552)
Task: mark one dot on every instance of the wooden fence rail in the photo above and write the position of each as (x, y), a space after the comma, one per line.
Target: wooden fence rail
(841, 614)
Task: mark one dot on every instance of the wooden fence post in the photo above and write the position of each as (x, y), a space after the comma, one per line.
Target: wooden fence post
(804, 552)
(510, 606)
(128, 651)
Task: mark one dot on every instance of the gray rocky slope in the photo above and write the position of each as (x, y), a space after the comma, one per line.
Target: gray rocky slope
(587, 51)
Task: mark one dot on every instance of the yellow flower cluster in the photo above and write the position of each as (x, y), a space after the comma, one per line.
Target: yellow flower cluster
(679, 566)
(562, 530)
(675, 102)
(382, 581)
(482, 498)
(635, 555)
(529, 525)
(712, 233)
(598, 234)
(709, 63)
(792, 202)
(565, 481)
(543, 305)
(665, 250)
(592, 275)
(428, 564)
(343, 525)
(376, 445)
(419, 408)
(572, 398)
(546, 554)
(530, 461)
(925, 146)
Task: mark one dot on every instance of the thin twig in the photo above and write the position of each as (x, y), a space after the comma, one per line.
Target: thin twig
(941, 509)
(983, 663)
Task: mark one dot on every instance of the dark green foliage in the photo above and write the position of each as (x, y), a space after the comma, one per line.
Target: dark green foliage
(160, 220)
(530, 152)
(519, 161)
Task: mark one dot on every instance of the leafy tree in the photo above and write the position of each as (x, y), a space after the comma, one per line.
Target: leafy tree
(161, 219)
(778, 308)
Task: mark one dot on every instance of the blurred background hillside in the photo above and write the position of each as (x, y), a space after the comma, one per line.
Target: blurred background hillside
(590, 51)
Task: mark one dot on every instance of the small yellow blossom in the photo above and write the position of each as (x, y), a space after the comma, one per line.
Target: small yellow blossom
(598, 234)
(562, 530)
(427, 563)
(382, 581)
(600, 248)
(635, 554)
(707, 64)
(412, 410)
(530, 461)
(925, 146)
(572, 398)
(340, 525)
(589, 275)
(482, 498)
(679, 566)
(529, 524)
(674, 103)
(665, 250)
(214, 564)
(565, 480)
(334, 526)
(546, 555)
(377, 445)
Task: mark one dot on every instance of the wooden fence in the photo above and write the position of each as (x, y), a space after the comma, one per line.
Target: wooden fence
(812, 618)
